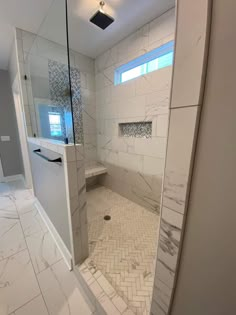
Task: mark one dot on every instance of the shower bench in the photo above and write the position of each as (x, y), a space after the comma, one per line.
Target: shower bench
(94, 170)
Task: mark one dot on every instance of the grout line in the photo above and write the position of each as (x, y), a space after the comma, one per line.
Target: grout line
(187, 106)
(26, 303)
(14, 254)
(27, 248)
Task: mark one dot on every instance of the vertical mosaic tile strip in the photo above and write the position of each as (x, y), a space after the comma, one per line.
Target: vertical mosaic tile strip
(60, 95)
(136, 129)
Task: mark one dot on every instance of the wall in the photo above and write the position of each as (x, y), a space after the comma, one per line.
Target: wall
(39, 52)
(135, 165)
(191, 46)
(206, 281)
(10, 152)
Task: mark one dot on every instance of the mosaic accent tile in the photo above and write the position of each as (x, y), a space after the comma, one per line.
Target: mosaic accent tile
(141, 129)
(60, 95)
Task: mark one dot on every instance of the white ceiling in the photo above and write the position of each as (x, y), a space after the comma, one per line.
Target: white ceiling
(84, 36)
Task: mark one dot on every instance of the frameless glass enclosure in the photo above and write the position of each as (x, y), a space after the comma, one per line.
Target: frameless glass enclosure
(48, 65)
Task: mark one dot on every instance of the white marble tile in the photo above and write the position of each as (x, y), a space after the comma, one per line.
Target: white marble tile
(18, 283)
(162, 125)
(34, 307)
(69, 153)
(7, 202)
(170, 233)
(179, 153)
(156, 81)
(155, 146)
(162, 26)
(162, 295)
(131, 161)
(119, 303)
(190, 52)
(43, 250)
(153, 166)
(11, 237)
(156, 309)
(32, 222)
(25, 205)
(108, 306)
(61, 291)
(106, 286)
(72, 178)
(166, 275)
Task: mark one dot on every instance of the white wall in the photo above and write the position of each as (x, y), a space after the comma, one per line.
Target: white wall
(206, 283)
(135, 165)
(10, 153)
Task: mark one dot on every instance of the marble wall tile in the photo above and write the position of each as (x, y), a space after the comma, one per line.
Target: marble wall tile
(162, 27)
(162, 125)
(156, 81)
(153, 166)
(141, 99)
(163, 295)
(169, 244)
(190, 52)
(180, 145)
(17, 280)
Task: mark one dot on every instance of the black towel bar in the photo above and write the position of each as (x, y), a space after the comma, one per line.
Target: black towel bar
(37, 151)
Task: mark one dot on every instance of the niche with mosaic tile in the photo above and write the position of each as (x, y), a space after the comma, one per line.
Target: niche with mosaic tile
(141, 129)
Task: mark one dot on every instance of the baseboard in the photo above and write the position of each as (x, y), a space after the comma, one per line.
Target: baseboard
(12, 178)
(57, 238)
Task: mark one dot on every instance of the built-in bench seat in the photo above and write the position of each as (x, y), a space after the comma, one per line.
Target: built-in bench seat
(94, 170)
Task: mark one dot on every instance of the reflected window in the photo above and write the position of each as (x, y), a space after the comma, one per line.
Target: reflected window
(55, 124)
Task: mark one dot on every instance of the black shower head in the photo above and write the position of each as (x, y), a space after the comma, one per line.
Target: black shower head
(101, 19)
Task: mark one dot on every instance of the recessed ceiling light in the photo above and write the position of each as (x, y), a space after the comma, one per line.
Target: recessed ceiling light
(101, 19)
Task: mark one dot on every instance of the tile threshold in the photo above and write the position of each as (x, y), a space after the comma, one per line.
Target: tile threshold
(98, 295)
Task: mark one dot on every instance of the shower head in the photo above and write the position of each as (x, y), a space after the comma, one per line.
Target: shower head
(101, 19)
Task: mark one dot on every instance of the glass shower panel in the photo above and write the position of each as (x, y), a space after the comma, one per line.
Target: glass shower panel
(48, 65)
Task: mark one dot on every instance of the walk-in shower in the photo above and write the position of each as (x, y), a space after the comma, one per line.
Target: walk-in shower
(105, 98)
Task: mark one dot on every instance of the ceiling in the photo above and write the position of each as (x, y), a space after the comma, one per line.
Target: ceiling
(84, 36)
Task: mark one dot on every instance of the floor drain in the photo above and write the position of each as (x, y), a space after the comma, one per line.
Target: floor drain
(107, 217)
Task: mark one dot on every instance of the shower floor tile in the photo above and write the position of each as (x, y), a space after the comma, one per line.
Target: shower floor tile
(123, 248)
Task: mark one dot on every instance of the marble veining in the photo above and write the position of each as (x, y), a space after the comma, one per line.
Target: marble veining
(33, 278)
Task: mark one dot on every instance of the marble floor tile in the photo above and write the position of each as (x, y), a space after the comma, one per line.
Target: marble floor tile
(11, 237)
(7, 202)
(43, 250)
(18, 283)
(24, 205)
(20, 293)
(34, 307)
(32, 222)
(61, 291)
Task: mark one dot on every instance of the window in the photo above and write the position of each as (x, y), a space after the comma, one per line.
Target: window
(55, 124)
(156, 59)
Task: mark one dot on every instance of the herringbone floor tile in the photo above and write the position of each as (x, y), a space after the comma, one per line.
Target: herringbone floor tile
(124, 248)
